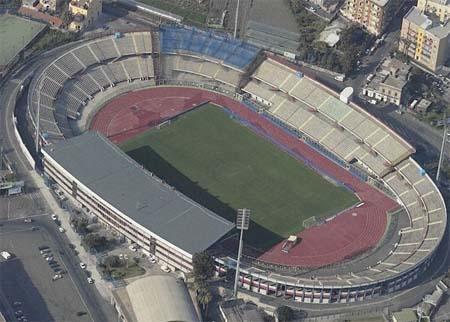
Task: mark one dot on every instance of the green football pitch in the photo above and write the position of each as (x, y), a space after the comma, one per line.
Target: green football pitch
(224, 166)
(15, 34)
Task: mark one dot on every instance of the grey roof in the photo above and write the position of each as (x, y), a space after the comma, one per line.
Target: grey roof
(266, 36)
(161, 298)
(431, 24)
(111, 174)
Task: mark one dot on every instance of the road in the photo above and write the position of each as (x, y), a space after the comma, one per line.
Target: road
(417, 133)
(100, 309)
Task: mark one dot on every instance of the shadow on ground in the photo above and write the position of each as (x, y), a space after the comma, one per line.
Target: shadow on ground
(258, 236)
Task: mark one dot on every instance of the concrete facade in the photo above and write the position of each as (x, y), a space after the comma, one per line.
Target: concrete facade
(425, 39)
(372, 15)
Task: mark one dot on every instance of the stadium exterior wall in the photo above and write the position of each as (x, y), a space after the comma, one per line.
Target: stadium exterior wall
(264, 283)
(269, 284)
(113, 218)
(328, 290)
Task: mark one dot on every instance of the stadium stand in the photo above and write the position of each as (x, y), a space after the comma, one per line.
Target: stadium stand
(352, 134)
(207, 69)
(80, 73)
(208, 45)
(342, 132)
(272, 80)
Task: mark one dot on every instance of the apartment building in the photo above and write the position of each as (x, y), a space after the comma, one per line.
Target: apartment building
(84, 13)
(440, 8)
(372, 15)
(425, 39)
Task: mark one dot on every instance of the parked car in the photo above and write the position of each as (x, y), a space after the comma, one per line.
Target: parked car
(166, 268)
(56, 277)
(83, 265)
(27, 220)
(62, 230)
(90, 280)
(133, 247)
(152, 258)
(54, 217)
(5, 255)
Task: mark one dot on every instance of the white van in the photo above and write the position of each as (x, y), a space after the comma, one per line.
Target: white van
(5, 255)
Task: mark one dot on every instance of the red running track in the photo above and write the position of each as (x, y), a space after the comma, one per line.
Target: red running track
(351, 233)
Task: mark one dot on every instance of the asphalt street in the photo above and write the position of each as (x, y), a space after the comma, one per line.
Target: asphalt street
(99, 309)
(420, 135)
(27, 281)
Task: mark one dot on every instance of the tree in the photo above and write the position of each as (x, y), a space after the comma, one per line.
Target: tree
(94, 240)
(112, 261)
(204, 297)
(203, 266)
(284, 313)
(80, 224)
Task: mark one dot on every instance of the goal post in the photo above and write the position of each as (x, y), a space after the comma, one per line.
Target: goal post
(310, 222)
(164, 124)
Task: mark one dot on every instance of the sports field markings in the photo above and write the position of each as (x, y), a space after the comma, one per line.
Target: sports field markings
(223, 165)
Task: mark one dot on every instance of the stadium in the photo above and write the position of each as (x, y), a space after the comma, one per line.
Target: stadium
(163, 134)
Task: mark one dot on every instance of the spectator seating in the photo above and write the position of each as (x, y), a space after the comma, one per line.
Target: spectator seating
(208, 45)
(78, 74)
(206, 69)
(274, 84)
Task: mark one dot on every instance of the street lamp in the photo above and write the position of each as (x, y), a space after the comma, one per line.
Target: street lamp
(242, 223)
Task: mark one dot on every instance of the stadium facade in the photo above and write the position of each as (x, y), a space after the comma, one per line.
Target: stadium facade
(344, 133)
(97, 175)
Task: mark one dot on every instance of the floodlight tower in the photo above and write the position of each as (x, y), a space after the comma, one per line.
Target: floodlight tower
(445, 136)
(236, 18)
(242, 223)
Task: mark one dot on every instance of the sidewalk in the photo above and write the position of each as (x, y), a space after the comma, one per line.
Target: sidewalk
(102, 286)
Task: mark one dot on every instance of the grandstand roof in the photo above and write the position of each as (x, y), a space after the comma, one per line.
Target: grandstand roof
(111, 174)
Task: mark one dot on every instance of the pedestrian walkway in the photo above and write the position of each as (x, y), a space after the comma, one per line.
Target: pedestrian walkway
(102, 286)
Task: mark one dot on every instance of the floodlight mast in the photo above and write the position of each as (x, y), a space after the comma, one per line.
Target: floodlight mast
(441, 155)
(242, 223)
(236, 19)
